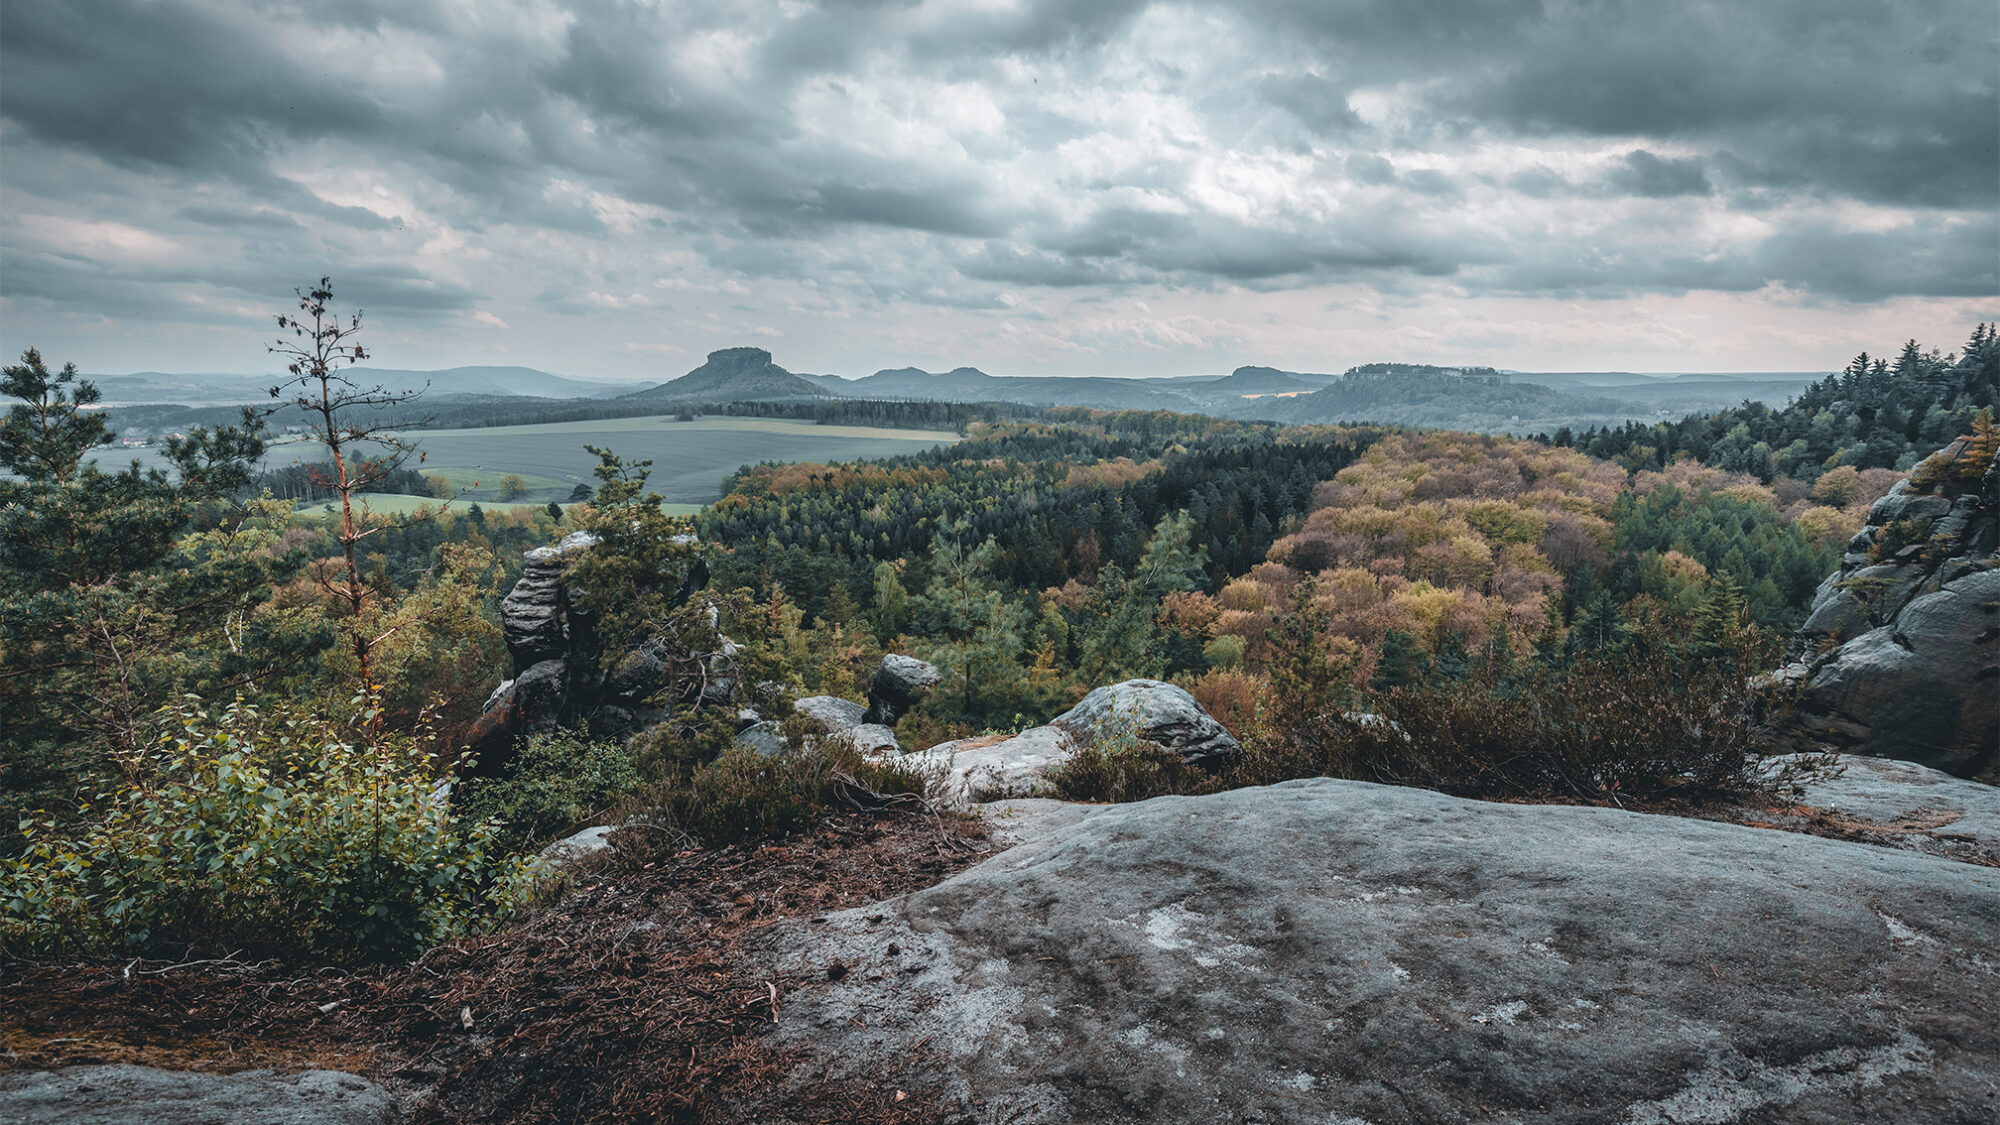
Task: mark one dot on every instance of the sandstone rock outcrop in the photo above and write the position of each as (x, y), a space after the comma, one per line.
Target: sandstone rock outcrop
(1900, 656)
(900, 683)
(1904, 805)
(833, 714)
(997, 767)
(1334, 951)
(558, 660)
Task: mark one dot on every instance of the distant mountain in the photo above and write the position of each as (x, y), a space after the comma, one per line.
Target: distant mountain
(831, 383)
(214, 389)
(487, 381)
(734, 375)
(969, 384)
(1257, 381)
(1681, 393)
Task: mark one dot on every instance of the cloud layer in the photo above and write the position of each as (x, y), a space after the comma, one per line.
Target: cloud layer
(1051, 179)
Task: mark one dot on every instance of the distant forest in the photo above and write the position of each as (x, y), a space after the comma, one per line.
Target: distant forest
(1874, 414)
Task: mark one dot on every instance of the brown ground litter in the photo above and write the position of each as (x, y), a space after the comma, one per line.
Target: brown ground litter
(629, 1000)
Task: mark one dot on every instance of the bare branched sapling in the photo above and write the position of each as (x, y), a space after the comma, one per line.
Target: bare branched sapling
(344, 416)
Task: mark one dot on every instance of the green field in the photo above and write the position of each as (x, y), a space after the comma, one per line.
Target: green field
(689, 458)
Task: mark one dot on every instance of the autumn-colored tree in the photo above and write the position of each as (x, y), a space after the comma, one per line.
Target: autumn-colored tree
(1982, 445)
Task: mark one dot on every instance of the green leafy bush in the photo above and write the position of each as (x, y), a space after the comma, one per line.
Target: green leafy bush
(252, 832)
(554, 784)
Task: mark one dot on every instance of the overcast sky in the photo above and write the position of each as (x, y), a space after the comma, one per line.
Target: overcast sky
(610, 189)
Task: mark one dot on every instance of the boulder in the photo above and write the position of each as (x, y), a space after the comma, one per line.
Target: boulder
(766, 738)
(1016, 820)
(1335, 951)
(1156, 712)
(875, 740)
(531, 703)
(103, 1095)
(900, 683)
(1900, 654)
(581, 845)
(538, 698)
(833, 714)
(993, 768)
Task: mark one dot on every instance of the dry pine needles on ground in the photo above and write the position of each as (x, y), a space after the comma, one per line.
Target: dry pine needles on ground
(629, 1000)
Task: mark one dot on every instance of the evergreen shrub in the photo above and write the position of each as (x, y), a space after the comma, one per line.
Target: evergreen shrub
(554, 784)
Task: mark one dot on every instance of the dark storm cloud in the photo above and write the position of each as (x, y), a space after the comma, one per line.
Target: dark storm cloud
(773, 141)
(942, 211)
(1657, 177)
(1891, 102)
(1924, 258)
(403, 288)
(163, 84)
(230, 218)
(1014, 265)
(1319, 105)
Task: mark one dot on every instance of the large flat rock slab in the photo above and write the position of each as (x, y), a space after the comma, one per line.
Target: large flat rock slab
(1330, 951)
(130, 1095)
(1904, 805)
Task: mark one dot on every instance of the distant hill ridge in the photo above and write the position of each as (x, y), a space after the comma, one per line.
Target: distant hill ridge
(207, 387)
(1482, 374)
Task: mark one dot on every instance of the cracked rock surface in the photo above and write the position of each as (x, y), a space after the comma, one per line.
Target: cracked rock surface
(118, 1095)
(1333, 951)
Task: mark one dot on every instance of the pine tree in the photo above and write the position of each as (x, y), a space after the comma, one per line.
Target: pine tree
(891, 612)
(342, 415)
(1123, 639)
(974, 631)
(1400, 663)
(1719, 622)
(111, 606)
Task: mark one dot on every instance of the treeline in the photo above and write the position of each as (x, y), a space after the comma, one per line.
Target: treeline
(1433, 399)
(467, 412)
(316, 481)
(1060, 498)
(1874, 414)
(885, 413)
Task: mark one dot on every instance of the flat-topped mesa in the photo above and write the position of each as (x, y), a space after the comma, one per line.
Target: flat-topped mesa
(734, 375)
(1900, 656)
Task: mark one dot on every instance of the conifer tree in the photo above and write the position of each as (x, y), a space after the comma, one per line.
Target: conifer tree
(1399, 663)
(975, 632)
(109, 606)
(1720, 619)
